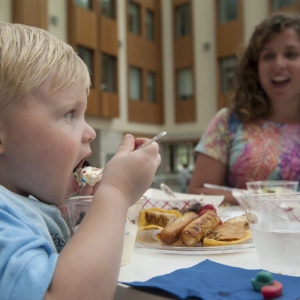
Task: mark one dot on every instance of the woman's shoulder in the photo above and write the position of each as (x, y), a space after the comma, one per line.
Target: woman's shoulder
(226, 113)
(226, 116)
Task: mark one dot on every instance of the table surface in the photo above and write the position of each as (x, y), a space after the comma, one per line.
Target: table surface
(147, 263)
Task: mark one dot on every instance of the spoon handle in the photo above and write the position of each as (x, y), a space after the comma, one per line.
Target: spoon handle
(168, 191)
(154, 139)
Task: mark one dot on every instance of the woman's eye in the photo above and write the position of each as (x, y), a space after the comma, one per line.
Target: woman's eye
(291, 54)
(267, 56)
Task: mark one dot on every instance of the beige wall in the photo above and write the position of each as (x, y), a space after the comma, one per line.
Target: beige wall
(5, 10)
(57, 10)
(254, 12)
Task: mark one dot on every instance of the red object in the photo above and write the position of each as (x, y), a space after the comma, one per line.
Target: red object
(203, 209)
(272, 291)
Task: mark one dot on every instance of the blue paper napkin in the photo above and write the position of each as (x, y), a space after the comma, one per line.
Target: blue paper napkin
(209, 280)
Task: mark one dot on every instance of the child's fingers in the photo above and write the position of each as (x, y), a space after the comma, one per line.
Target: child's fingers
(86, 190)
(139, 142)
(127, 144)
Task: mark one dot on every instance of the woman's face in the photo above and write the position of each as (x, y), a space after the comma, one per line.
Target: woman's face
(279, 67)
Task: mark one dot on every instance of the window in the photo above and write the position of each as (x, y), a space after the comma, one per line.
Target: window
(151, 86)
(134, 18)
(107, 8)
(228, 66)
(277, 4)
(185, 84)
(86, 55)
(135, 83)
(108, 82)
(228, 10)
(185, 153)
(150, 25)
(182, 20)
(87, 4)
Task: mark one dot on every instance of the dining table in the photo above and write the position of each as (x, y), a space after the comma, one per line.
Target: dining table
(148, 263)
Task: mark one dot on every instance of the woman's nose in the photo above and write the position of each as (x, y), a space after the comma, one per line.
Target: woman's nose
(280, 61)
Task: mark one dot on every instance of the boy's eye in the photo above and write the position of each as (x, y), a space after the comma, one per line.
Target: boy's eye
(70, 115)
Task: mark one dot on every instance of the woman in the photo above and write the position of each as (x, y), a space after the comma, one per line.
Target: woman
(258, 138)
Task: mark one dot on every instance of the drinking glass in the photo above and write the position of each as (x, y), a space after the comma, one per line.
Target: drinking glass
(274, 221)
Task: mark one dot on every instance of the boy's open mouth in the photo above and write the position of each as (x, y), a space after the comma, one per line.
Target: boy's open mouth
(82, 164)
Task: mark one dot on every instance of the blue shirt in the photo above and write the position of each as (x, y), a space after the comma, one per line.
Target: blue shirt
(31, 235)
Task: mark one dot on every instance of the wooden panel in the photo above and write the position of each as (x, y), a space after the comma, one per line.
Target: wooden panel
(109, 45)
(89, 29)
(185, 111)
(229, 39)
(85, 27)
(109, 104)
(184, 57)
(183, 52)
(145, 112)
(143, 53)
(31, 12)
(93, 107)
(180, 2)
(146, 55)
(109, 36)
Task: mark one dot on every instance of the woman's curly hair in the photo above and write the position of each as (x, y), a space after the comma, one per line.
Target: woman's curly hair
(249, 101)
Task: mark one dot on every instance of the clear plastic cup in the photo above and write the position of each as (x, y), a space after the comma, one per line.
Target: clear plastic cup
(77, 208)
(128, 242)
(274, 221)
(272, 186)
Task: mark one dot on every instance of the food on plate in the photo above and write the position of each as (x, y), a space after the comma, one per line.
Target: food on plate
(195, 230)
(239, 219)
(156, 218)
(227, 234)
(88, 175)
(203, 209)
(199, 208)
(171, 232)
(190, 224)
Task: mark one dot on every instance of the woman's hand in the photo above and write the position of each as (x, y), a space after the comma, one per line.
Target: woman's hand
(209, 170)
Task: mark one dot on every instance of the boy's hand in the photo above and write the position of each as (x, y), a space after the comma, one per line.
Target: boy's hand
(132, 172)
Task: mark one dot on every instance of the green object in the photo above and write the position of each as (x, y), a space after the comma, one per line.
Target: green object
(262, 278)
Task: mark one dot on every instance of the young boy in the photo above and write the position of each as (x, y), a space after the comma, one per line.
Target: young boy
(43, 139)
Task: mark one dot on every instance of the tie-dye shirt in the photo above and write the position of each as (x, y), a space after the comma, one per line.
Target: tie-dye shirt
(260, 150)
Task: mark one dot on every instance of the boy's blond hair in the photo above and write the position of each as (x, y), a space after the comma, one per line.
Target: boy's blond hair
(29, 55)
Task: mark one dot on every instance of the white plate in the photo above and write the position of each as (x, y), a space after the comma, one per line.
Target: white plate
(196, 250)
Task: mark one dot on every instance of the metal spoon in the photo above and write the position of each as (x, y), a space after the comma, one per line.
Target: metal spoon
(154, 139)
(165, 188)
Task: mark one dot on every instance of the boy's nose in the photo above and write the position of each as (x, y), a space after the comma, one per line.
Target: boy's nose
(90, 133)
